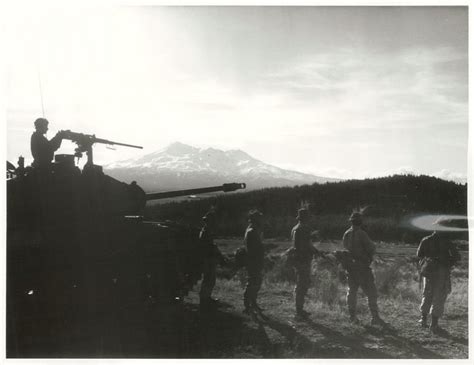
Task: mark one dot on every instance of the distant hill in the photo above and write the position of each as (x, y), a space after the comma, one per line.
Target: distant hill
(388, 202)
(180, 166)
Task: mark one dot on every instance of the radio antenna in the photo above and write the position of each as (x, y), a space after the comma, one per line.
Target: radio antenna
(41, 90)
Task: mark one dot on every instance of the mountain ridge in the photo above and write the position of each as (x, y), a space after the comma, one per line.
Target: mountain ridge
(179, 166)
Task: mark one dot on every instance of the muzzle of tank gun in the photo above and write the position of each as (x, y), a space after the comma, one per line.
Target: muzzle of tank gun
(177, 193)
(233, 187)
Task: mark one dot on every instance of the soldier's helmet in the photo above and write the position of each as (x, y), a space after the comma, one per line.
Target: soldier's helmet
(209, 217)
(356, 218)
(303, 214)
(255, 216)
(40, 122)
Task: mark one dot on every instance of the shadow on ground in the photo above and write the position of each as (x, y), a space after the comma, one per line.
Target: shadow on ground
(334, 345)
(143, 330)
(410, 348)
(147, 330)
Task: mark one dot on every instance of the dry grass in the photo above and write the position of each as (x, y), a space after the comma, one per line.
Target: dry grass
(399, 298)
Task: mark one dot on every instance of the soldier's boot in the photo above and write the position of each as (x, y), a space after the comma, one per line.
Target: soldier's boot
(376, 320)
(353, 317)
(423, 321)
(247, 307)
(208, 302)
(300, 312)
(434, 327)
(256, 306)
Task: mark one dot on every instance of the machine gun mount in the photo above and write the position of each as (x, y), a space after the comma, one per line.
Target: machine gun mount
(85, 141)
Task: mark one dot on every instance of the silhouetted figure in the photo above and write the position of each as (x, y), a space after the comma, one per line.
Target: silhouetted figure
(211, 257)
(438, 255)
(42, 150)
(361, 249)
(255, 257)
(304, 253)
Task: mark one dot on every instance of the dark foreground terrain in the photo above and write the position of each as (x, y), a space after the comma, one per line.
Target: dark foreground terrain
(145, 329)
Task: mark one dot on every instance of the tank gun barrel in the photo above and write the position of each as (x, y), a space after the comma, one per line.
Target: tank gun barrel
(171, 194)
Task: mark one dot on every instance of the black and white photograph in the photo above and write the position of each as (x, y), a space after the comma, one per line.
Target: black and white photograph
(237, 182)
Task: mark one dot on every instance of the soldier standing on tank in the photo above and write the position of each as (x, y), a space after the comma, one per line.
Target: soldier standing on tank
(42, 150)
(361, 250)
(255, 257)
(438, 255)
(304, 253)
(211, 257)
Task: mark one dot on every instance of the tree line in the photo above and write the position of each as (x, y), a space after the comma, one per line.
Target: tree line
(387, 203)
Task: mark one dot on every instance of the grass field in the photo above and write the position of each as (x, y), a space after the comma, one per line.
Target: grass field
(127, 324)
(327, 333)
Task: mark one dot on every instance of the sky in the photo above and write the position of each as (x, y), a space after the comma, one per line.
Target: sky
(346, 92)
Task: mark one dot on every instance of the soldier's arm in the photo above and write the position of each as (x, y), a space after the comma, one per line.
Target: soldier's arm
(345, 241)
(297, 239)
(250, 240)
(421, 249)
(204, 237)
(40, 147)
(34, 147)
(369, 245)
(55, 142)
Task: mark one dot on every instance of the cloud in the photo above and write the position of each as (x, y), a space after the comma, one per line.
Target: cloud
(366, 89)
(335, 173)
(282, 96)
(332, 172)
(444, 174)
(402, 170)
(451, 176)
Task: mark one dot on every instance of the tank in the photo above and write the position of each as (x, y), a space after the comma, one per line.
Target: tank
(78, 244)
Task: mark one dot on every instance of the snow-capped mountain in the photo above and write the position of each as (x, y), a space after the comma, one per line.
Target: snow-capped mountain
(180, 166)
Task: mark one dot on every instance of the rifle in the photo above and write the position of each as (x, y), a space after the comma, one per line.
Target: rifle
(84, 143)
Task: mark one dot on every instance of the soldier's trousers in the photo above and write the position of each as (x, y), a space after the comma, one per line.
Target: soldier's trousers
(364, 278)
(254, 282)
(436, 288)
(208, 278)
(303, 282)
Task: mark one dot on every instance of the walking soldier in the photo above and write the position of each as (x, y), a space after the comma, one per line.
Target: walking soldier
(211, 257)
(361, 249)
(254, 262)
(303, 252)
(437, 255)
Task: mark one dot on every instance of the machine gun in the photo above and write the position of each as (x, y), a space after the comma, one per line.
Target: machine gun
(85, 141)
